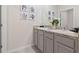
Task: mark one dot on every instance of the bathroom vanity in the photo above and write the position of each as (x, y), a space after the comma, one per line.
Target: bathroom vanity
(55, 40)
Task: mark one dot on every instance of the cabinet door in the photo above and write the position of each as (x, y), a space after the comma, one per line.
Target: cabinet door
(35, 37)
(59, 48)
(40, 40)
(48, 45)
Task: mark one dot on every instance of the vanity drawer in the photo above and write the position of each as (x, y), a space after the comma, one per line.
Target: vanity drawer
(48, 35)
(60, 48)
(69, 42)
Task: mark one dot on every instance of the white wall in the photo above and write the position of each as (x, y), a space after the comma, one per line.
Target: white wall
(45, 10)
(76, 12)
(20, 31)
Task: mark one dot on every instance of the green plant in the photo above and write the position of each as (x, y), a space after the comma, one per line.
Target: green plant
(55, 22)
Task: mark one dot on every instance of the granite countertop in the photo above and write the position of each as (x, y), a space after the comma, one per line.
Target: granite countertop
(60, 31)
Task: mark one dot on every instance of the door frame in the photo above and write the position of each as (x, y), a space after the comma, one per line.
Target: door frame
(4, 29)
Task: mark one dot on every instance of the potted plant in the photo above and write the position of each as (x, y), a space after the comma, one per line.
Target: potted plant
(55, 23)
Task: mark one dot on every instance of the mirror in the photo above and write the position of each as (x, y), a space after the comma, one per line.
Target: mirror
(66, 17)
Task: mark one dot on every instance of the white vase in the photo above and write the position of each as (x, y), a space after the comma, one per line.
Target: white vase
(54, 27)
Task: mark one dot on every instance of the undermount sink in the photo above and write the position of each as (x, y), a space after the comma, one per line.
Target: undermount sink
(45, 27)
(48, 27)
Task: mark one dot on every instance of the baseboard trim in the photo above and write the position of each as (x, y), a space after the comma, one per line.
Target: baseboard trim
(20, 48)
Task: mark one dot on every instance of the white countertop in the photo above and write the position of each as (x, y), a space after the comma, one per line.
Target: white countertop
(60, 31)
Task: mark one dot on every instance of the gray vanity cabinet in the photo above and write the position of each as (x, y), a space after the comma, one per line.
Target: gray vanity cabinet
(40, 40)
(35, 37)
(64, 44)
(48, 42)
(53, 42)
